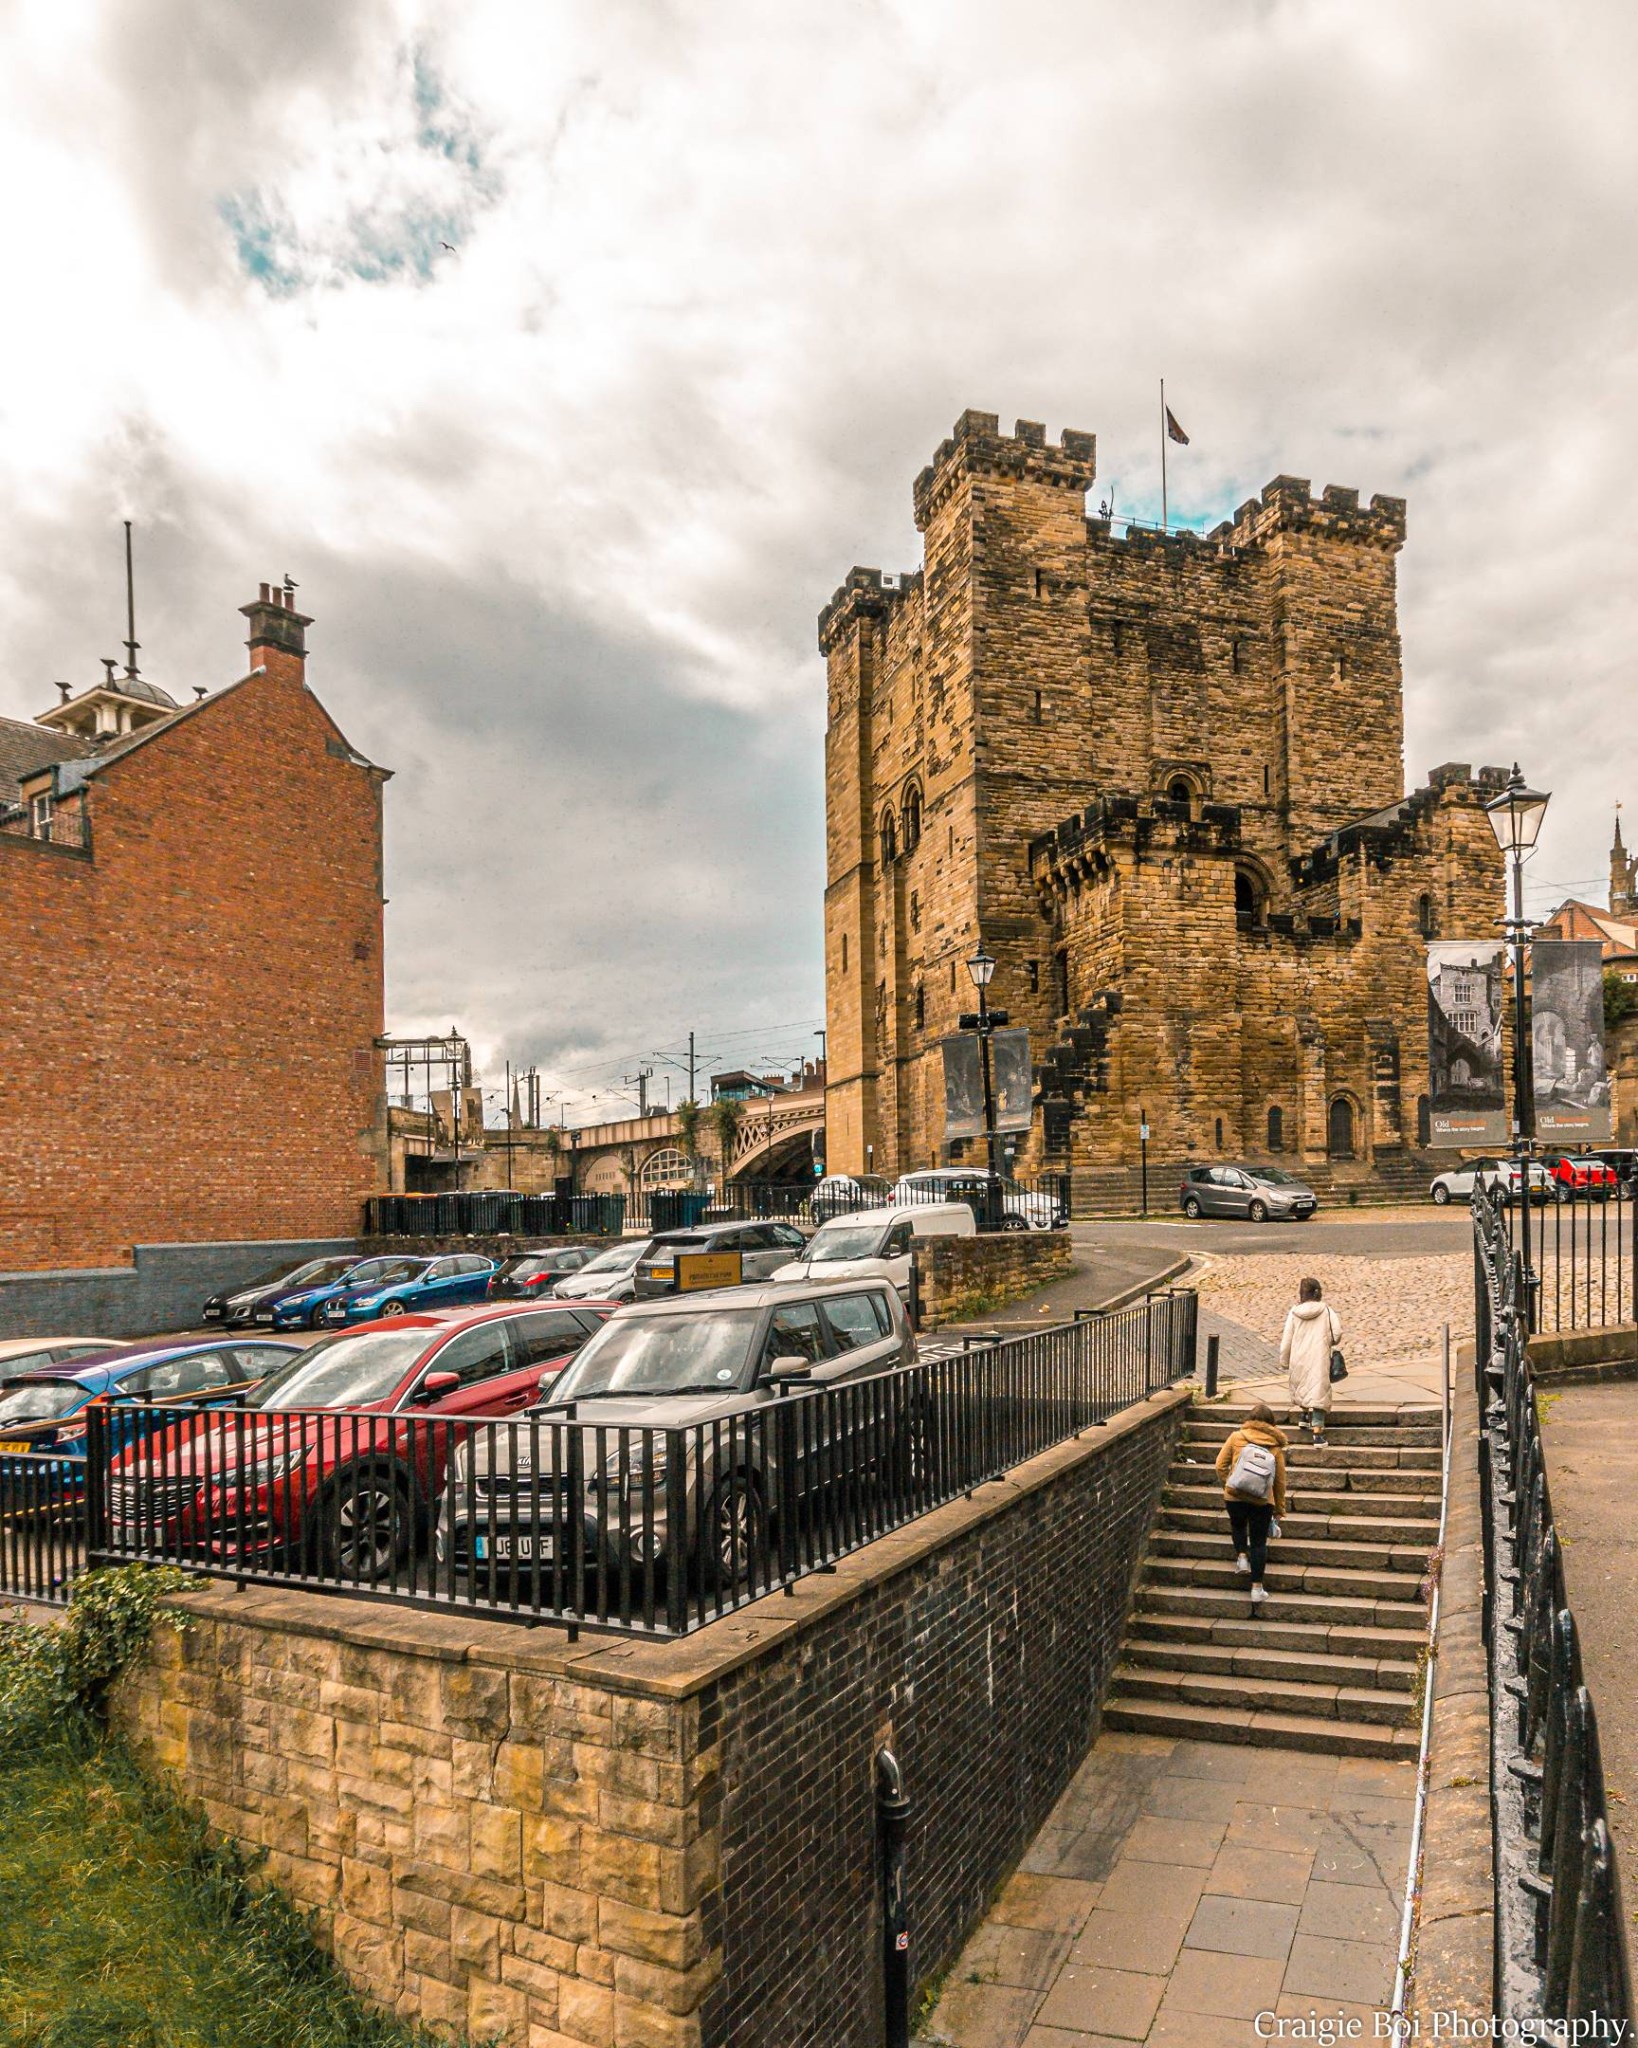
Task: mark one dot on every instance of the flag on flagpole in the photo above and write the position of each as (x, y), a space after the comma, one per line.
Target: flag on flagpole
(1173, 431)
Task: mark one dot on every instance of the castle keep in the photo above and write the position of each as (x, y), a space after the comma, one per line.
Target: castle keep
(1161, 777)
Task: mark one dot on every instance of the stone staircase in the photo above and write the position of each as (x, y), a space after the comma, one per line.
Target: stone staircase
(1333, 1661)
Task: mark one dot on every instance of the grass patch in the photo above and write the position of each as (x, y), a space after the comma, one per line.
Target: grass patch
(124, 1925)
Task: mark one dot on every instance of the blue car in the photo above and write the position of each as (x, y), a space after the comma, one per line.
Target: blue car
(443, 1282)
(45, 1410)
(302, 1308)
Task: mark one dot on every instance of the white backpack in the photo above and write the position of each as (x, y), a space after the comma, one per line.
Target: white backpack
(1253, 1474)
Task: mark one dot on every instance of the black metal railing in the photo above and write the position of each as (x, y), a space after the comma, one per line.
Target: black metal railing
(1041, 1202)
(554, 1516)
(1580, 1249)
(42, 1524)
(1560, 1943)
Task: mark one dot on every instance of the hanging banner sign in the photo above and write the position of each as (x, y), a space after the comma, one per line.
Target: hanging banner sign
(1467, 1095)
(963, 1087)
(1571, 1079)
(1014, 1079)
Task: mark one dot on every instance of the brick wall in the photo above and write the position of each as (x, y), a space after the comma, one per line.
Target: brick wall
(186, 1042)
(968, 1276)
(668, 1845)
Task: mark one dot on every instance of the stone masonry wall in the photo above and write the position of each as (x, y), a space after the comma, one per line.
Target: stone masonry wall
(968, 1276)
(613, 1844)
(1038, 663)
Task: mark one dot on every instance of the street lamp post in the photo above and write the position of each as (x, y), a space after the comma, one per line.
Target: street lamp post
(1515, 818)
(986, 1022)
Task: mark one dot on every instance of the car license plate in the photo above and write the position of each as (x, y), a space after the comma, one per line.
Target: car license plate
(212, 1314)
(508, 1548)
(264, 1315)
(23, 1445)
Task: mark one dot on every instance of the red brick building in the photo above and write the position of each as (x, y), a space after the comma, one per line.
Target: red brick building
(191, 938)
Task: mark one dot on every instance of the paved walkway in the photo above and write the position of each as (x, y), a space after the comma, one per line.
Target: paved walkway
(1179, 1890)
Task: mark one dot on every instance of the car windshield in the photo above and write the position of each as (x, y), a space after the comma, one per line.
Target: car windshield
(1274, 1176)
(378, 1272)
(342, 1372)
(671, 1354)
(845, 1240)
(619, 1258)
(40, 1401)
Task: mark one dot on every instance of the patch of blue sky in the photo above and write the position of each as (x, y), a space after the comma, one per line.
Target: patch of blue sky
(258, 244)
(408, 246)
(439, 132)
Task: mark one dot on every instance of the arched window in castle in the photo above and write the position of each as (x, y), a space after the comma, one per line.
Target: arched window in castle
(1424, 914)
(1250, 902)
(890, 840)
(912, 818)
(921, 1007)
(1339, 1129)
(667, 1168)
(1276, 1129)
(1180, 791)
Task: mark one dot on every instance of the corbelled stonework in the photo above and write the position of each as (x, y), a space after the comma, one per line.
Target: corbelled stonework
(1161, 776)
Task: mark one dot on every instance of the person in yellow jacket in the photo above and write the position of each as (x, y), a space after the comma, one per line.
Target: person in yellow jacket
(1254, 1516)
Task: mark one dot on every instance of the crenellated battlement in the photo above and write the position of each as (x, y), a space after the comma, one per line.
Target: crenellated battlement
(866, 594)
(977, 447)
(1288, 505)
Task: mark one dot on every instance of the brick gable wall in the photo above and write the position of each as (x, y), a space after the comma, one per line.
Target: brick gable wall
(186, 1044)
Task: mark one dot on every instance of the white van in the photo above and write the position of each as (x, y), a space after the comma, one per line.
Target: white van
(876, 1244)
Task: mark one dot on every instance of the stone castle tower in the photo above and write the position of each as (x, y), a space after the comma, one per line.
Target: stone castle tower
(1623, 877)
(1161, 777)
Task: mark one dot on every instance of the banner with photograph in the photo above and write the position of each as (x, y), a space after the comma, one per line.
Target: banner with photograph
(1572, 1081)
(1014, 1079)
(963, 1087)
(1467, 1096)
(1011, 1076)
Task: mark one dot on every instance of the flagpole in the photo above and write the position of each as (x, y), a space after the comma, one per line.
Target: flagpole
(1165, 519)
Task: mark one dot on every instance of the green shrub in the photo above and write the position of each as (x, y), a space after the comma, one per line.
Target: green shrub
(52, 1673)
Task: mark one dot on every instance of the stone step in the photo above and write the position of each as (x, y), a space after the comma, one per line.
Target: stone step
(1273, 1695)
(1321, 1502)
(1308, 1667)
(1261, 1729)
(1341, 1639)
(1356, 1414)
(1232, 1602)
(1342, 1434)
(1339, 1581)
(1215, 1545)
(1351, 1481)
(1337, 1458)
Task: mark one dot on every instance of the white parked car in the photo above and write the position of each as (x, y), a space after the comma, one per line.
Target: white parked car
(876, 1244)
(1021, 1208)
(1456, 1183)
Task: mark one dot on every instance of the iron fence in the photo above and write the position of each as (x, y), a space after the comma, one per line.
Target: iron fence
(1580, 1250)
(1560, 1943)
(598, 1524)
(1038, 1203)
(42, 1524)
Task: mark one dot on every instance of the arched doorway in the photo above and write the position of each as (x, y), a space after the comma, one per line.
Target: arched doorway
(1340, 1128)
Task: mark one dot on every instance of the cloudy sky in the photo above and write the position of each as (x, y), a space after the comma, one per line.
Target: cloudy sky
(565, 496)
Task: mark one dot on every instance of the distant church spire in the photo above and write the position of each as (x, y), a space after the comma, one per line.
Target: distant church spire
(1623, 875)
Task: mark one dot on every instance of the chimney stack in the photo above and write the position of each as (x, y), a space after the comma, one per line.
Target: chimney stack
(278, 632)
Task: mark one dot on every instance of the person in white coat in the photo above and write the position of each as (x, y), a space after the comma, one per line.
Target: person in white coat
(1312, 1331)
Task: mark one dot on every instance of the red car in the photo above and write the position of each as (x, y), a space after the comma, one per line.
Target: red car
(1580, 1179)
(323, 1461)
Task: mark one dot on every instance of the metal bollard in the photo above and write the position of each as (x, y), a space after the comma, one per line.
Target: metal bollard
(1211, 1368)
(892, 1812)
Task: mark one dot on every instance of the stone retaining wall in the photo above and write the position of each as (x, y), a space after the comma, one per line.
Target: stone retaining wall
(658, 1845)
(962, 1277)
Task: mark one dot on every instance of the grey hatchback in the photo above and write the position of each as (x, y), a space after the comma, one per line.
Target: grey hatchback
(1257, 1192)
(702, 1372)
(762, 1249)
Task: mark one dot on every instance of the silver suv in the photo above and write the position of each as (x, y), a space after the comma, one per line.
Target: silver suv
(710, 1367)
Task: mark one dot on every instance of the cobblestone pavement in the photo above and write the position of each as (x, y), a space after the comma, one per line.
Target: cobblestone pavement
(1393, 1310)
(1179, 1890)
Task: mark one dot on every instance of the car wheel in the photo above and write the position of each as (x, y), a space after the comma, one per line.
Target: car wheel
(734, 1538)
(315, 1319)
(1014, 1223)
(1441, 1194)
(365, 1528)
(1191, 1207)
(912, 1455)
(1258, 1212)
(392, 1308)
